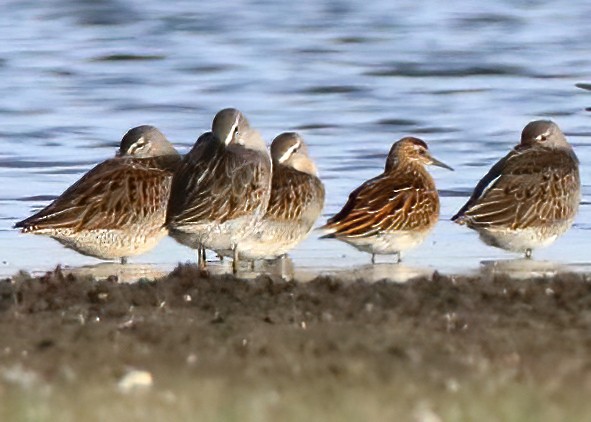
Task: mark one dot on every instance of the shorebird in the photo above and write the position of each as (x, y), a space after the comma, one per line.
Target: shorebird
(531, 196)
(117, 209)
(222, 187)
(297, 198)
(394, 211)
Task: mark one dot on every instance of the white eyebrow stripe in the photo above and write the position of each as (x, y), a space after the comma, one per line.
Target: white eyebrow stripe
(290, 151)
(141, 141)
(231, 133)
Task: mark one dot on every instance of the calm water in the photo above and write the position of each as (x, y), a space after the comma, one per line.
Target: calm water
(351, 76)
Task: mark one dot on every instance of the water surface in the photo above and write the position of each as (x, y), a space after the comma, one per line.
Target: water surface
(351, 76)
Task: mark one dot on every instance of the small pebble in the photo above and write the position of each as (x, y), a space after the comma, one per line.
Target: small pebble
(135, 380)
(192, 359)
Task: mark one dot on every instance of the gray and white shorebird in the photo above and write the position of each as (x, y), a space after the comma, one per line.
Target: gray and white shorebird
(296, 201)
(394, 211)
(118, 208)
(222, 187)
(531, 196)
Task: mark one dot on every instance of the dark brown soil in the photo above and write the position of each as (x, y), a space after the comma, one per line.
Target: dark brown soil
(426, 338)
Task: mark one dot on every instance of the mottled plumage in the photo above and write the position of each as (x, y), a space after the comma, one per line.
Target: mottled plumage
(297, 199)
(222, 187)
(395, 210)
(531, 196)
(117, 209)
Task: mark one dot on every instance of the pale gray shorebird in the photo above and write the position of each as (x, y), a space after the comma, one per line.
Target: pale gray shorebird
(296, 201)
(118, 208)
(394, 211)
(222, 187)
(531, 196)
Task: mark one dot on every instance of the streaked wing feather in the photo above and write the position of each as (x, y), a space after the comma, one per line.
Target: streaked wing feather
(219, 186)
(388, 203)
(487, 182)
(535, 188)
(112, 195)
(292, 193)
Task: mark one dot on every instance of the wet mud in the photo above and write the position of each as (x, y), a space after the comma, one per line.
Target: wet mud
(453, 348)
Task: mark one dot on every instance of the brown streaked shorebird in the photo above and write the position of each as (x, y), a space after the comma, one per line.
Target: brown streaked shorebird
(297, 199)
(222, 187)
(394, 211)
(118, 208)
(531, 196)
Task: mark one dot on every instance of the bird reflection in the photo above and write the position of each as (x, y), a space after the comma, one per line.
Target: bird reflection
(521, 268)
(127, 273)
(394, 272)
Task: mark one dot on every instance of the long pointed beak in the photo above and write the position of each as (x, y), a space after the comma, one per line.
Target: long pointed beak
(436, 162)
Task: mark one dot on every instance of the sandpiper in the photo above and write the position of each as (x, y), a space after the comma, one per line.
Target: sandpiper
(394, 211)
(222, 187)
(297, 199)
(531, 196)
(117, 209)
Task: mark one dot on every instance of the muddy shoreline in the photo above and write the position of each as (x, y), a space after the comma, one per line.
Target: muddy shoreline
(439, 345)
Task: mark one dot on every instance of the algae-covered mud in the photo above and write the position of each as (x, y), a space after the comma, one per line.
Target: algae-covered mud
(193, 346)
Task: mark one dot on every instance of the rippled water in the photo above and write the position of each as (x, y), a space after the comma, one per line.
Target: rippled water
(351, 76)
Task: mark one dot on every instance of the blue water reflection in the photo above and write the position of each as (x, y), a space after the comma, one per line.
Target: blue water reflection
(351, 76)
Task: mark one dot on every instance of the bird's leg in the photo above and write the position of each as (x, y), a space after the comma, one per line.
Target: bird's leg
(373, 258)
(528, 253)
(123, 260)
(235, 261)
(398, 257)
(201, 262)
(282, 262)
(286, 270)
(252, 265)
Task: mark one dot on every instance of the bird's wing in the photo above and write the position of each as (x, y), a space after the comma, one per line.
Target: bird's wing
(112, 195)
(531, 189)
(219, 185)
(385, 204)
(194, 167)
(485, 183)
(293, 193)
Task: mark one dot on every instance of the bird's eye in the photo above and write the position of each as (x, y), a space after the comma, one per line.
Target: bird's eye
(422, 152)
(140, 143)
(541, 138)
